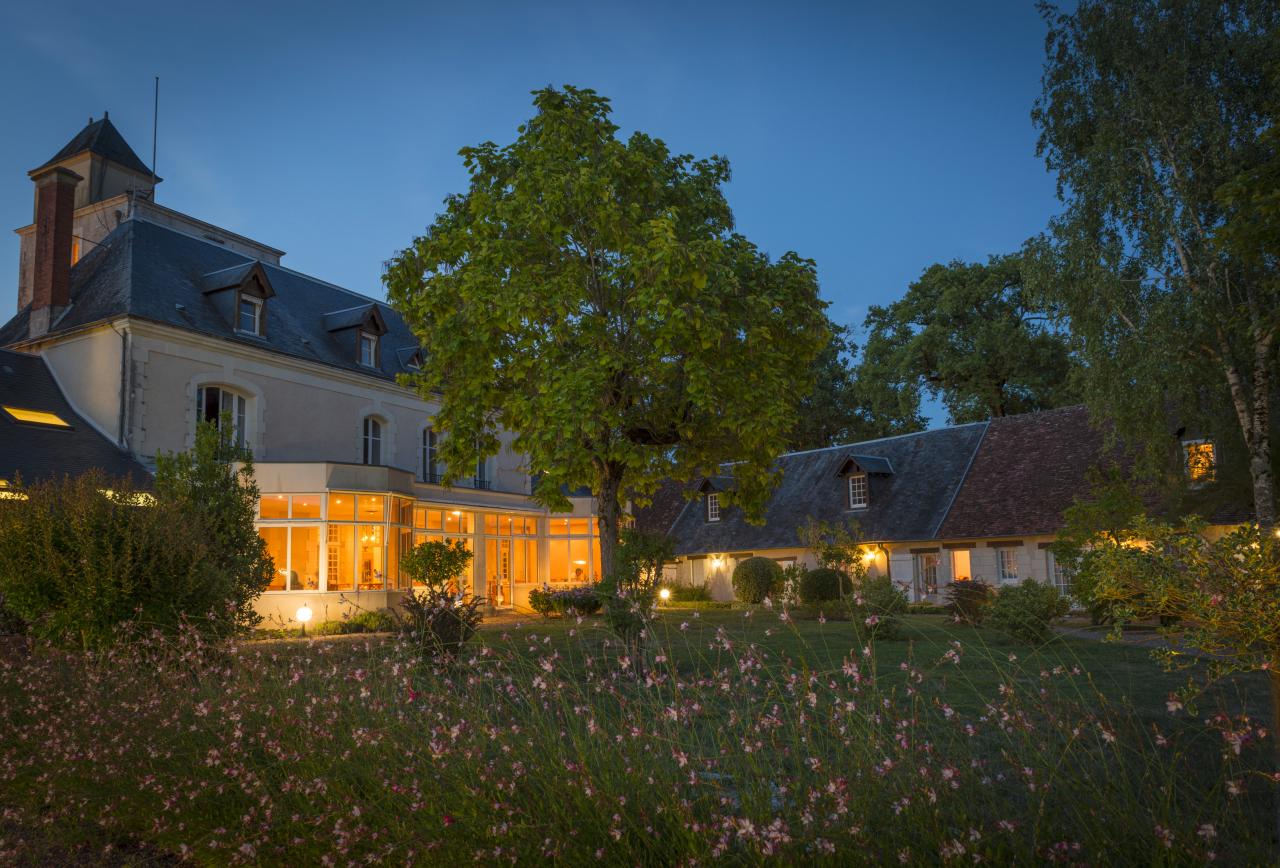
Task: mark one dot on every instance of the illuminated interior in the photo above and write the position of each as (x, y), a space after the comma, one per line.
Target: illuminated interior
(37, 417)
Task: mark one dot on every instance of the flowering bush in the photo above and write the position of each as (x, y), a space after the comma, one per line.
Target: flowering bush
(540, 748)
(756, 578)
(581, 600)
(437, 620)
(1026, 610)
(540, 601)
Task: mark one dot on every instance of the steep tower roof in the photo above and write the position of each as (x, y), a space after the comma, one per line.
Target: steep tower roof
(102, 138)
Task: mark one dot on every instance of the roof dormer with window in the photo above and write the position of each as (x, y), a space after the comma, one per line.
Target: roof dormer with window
(857, 471)
(359, 331)
(240, 293)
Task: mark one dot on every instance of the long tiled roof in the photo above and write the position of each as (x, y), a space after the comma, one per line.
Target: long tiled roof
(1027, 471)
(37, 452)
(101, 137)
(908, 503)
(152, 272)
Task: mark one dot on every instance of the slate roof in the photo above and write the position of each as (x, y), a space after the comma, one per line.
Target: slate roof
(928, 468)
(155, 273)
(1028, 470)
(37, 452)
(101, 137)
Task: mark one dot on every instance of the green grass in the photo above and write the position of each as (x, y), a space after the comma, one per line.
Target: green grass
(749, 739)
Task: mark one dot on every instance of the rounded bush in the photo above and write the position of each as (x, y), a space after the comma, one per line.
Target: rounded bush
(756, 578)
(822, 584)
(968, 600)
(1025, 611)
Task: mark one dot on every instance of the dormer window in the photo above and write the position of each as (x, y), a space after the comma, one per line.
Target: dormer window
(1201, 461)
(368, 350)
(713, 506)
(859, 491)
(249, 321)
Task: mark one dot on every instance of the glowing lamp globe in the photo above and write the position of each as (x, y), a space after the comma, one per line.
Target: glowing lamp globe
(303, 614)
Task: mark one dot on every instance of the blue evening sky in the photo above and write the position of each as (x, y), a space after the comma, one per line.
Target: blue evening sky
(875, 138)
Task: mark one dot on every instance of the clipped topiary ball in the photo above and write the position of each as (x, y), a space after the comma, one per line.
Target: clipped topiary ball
(756, 578)
(822, 584)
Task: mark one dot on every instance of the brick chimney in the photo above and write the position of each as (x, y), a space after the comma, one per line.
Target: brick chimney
(51, 277)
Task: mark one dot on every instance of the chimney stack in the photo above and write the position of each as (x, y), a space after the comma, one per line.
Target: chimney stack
(51, 280)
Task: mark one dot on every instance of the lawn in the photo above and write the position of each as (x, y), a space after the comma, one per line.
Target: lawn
(748, 739)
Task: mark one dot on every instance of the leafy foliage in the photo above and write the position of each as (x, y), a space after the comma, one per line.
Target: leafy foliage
(823, 583)
(878, 608)
(845, 408)
(968, 601)
(1151, 116)
(438, 621)
(567, 601)
(756, 578)
(89, 560)
(688, 593)
(588, 294)
(971, 334)
(436, 564)
(837, 546)
(1025, 611)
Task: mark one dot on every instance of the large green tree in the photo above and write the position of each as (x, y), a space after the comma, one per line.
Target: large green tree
(972, 335)
(588, 294)
(845, 408)
(1151, 115)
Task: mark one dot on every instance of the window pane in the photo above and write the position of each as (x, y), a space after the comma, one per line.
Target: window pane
(491, 524)
(304, 569)
(403, 511)
(371, 552)
(306, 506)
(278, 549)
(372, 507)
(960, 569)
(559, 571)
(274, 506)
(406, 544)
(579, 526)
(248, 316)
(435, 519)
(520, 562)
(580, 555)
(342, 506)
(393, 558)
(342, 541)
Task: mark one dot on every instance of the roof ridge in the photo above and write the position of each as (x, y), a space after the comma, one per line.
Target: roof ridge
(964, 476)
(883, 439)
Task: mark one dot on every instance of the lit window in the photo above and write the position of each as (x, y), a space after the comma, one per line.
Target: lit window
(37, 417)
(1061, 578)
(1201, 461)
(75, 250)
(858, 491)
(1007, 564)
(213, 402)
(250, 321)
(713, 507)
(372, 441)
(368, 350)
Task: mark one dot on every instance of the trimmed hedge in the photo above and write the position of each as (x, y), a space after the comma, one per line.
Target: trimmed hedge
(686, 594)
(756, 578)
(823, 584)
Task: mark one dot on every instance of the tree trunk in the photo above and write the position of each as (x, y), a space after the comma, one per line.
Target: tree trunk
(1253, 410)
(609, 519)
(1274, 676)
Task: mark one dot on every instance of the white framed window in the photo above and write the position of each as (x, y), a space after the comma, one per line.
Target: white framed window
(372, 441)
(961, 565)
(1007, 564)
(926, 573)
(713, 506)
(1201, 461)
(212, 402)
(249, 316)
(368, 350)
(429, 456)
(859, 491)
(1058, 574)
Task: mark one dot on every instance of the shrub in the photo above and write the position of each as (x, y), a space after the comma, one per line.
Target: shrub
(437, 620)
(755, 578)
(824, 583)
(540, 601)
(968, 601)
(581, 601)
(691, 605)
(376, 621)
(10, 623)
(792, 575)
(688, 594)
(878, 607)
(924, 607)
(89, 560)
(1025, 611)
